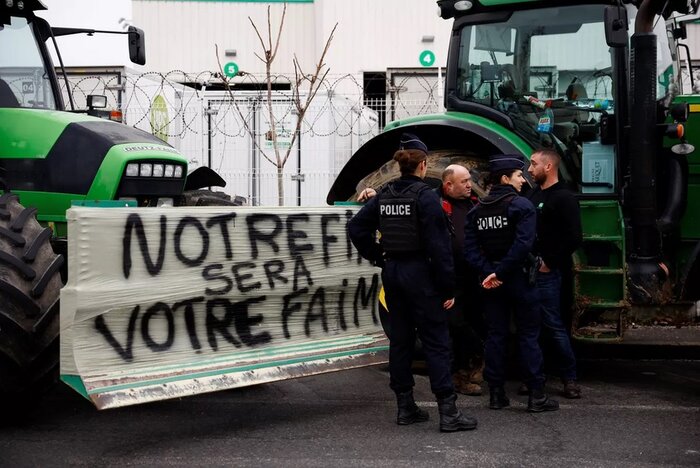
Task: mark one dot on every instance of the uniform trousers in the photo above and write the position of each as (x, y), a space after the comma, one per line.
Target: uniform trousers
(517, 298)
(415, 309)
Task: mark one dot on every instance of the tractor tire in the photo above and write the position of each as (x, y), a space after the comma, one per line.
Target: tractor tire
(209, 198)
(30, 284)
(437, 162)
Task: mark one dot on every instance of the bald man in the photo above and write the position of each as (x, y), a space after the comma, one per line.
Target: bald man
(466, 324)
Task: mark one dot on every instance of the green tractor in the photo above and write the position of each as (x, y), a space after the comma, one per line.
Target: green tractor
(525, 74)
(49, 159)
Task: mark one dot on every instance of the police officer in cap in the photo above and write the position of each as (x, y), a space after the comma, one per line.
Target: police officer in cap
(418, 277)
(498, 237)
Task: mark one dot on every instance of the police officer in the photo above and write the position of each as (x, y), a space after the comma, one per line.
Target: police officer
(418, 278)
(498, 236)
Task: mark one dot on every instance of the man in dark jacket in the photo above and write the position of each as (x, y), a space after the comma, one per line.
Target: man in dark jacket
(559, 234)
(418, 278)
(465, 321)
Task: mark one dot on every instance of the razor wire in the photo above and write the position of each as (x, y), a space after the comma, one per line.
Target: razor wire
(339, 108)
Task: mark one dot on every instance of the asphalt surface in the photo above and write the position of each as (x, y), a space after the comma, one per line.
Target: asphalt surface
(633, 414)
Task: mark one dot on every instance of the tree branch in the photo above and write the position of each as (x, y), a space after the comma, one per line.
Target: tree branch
(262, 42)
(314, 85)
(279, 32)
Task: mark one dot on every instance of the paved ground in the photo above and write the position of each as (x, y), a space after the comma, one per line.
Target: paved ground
(634, 414)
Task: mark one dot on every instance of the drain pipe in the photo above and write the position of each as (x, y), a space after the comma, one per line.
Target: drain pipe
(645, 272)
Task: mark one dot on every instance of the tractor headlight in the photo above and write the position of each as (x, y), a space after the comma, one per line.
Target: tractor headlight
(146, 170)
(157, 170)
(132, 170)
(153, 169)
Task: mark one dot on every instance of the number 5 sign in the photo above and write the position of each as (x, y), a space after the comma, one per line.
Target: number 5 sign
(231, 69)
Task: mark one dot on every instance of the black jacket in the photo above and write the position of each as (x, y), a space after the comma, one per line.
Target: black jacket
(456, 211)
(522, 214)
(437, 250)
(559, 231)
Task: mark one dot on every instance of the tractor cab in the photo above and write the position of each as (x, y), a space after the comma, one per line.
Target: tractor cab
(26, 80)
(27, 76)
(550, 76)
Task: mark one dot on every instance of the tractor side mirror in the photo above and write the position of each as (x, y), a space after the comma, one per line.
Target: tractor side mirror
(616, 25)
(96, 101)
(137, 45)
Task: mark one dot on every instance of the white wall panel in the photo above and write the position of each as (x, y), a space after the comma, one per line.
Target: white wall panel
(375, 35)
(371, 36)
(182, 35)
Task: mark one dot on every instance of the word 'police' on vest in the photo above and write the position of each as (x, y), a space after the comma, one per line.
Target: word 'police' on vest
(491, 222)
(403, 209)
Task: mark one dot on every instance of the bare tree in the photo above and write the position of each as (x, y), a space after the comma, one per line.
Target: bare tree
(313, 81)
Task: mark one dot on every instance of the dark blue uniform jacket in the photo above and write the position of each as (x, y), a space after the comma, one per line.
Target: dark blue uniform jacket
(521, 213)
(437, 247)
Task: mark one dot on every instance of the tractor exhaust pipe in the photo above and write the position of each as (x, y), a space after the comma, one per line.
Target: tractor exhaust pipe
(645, 272)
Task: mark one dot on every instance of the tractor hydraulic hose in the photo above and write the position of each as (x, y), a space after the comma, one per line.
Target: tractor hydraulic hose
(644, 23)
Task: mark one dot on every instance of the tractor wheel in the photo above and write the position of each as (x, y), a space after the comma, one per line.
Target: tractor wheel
(209, 198)
(437, 162)
(30, 283)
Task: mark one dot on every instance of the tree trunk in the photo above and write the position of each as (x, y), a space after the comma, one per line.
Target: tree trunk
(280, 185)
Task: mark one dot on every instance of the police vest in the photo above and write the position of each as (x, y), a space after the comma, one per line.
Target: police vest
(398, 219)
(495, 231)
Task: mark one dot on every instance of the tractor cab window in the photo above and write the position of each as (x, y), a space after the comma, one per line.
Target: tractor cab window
(24, 81)
(550, 71)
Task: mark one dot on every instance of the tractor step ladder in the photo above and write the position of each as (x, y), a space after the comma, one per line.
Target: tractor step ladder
(600, 301)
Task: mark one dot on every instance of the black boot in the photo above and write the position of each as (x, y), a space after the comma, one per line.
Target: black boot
(498, 398)
(452, 419)
(409, 412)
(539, 402)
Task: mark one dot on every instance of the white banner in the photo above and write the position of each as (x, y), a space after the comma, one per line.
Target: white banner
(162, 303)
